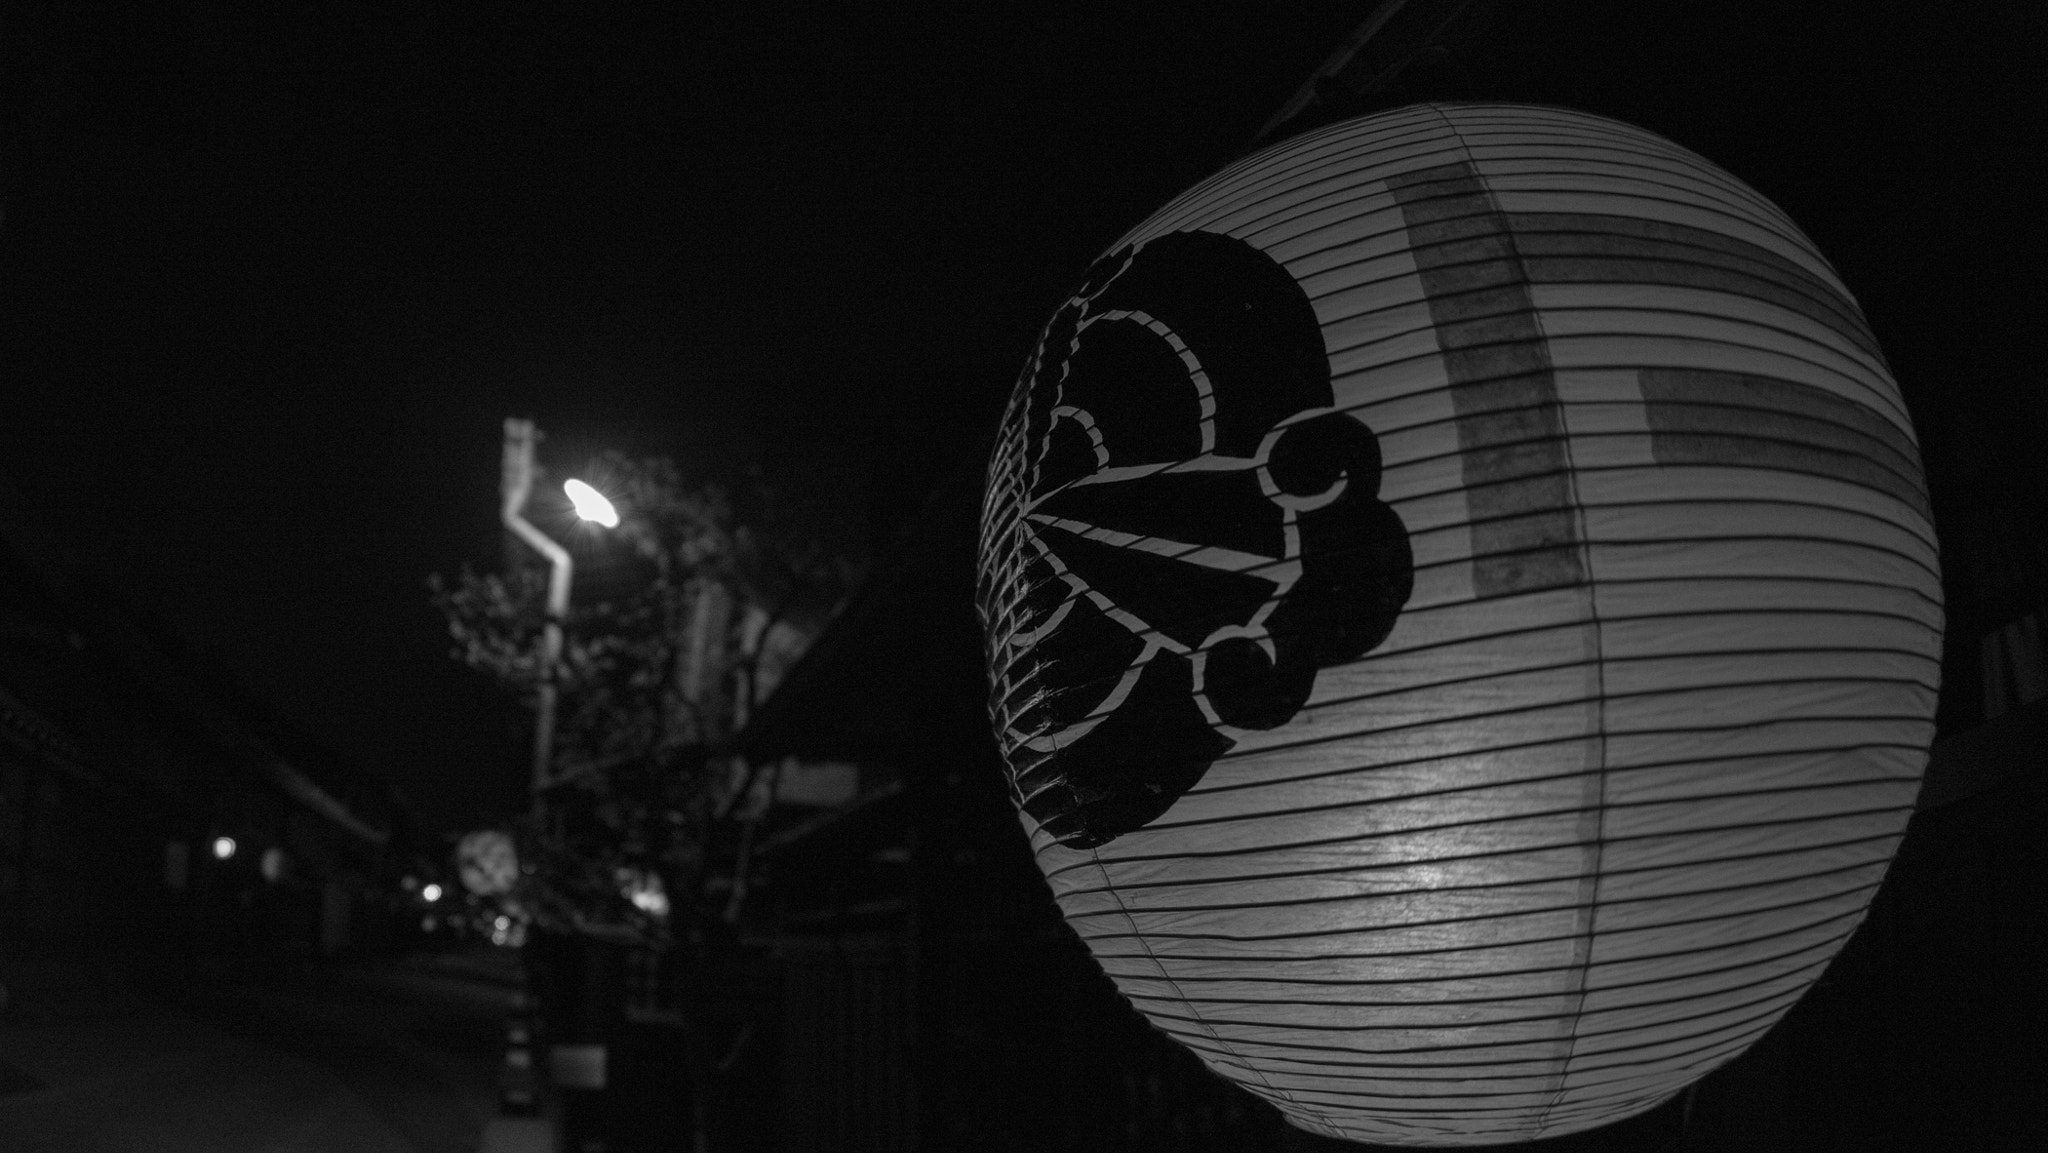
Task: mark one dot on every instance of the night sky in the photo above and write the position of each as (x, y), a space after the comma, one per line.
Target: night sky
(271, 282)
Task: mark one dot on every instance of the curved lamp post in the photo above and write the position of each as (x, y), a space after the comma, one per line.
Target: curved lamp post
(591, 505)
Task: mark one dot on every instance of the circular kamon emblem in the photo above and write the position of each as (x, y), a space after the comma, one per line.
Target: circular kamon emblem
(1182, 530)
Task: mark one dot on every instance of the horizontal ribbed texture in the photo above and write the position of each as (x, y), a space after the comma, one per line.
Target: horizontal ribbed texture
(1650, 651)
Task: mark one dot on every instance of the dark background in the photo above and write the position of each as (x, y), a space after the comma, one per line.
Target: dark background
(270, 280)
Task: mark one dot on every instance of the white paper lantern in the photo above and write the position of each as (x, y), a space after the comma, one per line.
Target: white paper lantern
(1464, 620)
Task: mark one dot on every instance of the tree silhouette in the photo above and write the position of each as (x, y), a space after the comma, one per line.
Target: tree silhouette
(718, 594)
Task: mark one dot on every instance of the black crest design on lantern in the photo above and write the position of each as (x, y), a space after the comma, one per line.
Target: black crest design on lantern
(1199, 532)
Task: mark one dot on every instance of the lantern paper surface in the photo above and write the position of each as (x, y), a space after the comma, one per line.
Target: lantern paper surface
(1463, 620)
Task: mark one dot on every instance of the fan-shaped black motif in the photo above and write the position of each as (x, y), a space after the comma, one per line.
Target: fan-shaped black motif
(1200, 533)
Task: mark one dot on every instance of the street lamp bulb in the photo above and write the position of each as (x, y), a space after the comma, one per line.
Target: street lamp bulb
(432, 893)
(223, 848)
(591, 504)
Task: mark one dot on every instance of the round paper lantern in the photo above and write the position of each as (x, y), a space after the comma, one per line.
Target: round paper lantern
(1463, 620)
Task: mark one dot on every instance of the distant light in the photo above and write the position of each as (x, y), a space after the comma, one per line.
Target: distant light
(273, 865)
(432, 892)
(503, 923)
(591, 504)
(410, 883)
(644, 890)
(223, 848)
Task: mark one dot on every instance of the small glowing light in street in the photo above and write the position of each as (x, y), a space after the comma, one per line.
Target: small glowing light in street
(591, 504)
(410, 883)
(645, 890)
(432, 892)
(273, 865)
(503, 923)
(223, 848)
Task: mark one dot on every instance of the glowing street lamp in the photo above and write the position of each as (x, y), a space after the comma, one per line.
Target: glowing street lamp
(515, 486)
(223, 848)
(591, 504)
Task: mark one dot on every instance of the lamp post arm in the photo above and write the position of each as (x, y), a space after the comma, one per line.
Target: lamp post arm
(516, 486)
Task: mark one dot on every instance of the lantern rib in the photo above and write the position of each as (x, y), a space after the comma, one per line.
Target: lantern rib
(1918, 495)
(1273, 228)
(1856, 388)
(1494, 750)
(1881, 443)
(1727, 1039)
(1494, 1069)
(1515, 944)
(1490, 975)
(1443, 1104)
(1393, 926)
(1676, 234)
(1773, 1008)
(1168, 978)
(1566, 702)
(1447, 526)
(1037, 695)
(1539, 996)
(1724, 578)
(1689, 862)
(1406, 1062)
(1723, 277)
(1231, 852)
(1353, 837)
(1339, 183)
(1384, 338)
(1420, 459)
(1529, 815)
(1670, 193)
(1434, 922)
(1801, 538)
(1835, 511)
(1683, 614)
(1674, 655)
(1625, 582)
(1437, 922)
(1257, 179)
(1787, 997)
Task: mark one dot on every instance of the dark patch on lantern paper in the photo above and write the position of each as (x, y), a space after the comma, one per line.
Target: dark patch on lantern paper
(1584, 247)
(1699, 416)
(1503, 391)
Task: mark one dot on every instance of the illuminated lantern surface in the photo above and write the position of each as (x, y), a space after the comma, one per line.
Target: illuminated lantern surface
(1463, 620)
